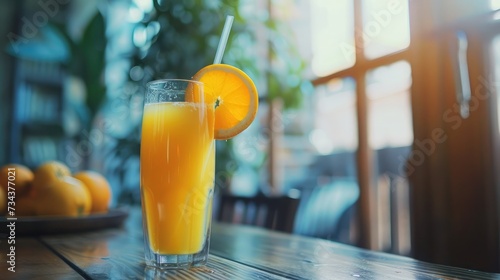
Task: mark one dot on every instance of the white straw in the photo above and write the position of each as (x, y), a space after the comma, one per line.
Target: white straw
(223, 39)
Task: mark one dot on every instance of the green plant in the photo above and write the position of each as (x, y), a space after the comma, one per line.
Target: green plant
(87, 62)
(284, 72)
(182, 37)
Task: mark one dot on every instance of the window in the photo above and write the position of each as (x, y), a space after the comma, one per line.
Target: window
(495, 4)
(362, 91)
(361, 127)
(390, 135)
(389, 117)
(331, 22)
(335, 118)
(385, 27)
(453, 156)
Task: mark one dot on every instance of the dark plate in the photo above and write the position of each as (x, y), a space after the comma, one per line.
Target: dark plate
(32, 226)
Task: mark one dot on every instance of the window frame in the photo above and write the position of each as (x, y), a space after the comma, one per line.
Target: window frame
(367, 218)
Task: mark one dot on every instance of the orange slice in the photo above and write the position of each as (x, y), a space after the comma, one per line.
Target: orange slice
(234, 95)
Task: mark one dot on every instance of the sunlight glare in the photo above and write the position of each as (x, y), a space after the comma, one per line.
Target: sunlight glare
(332, 27)
(495, 4)
(386, 27)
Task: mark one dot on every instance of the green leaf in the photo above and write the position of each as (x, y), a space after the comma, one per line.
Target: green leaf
(92, 48)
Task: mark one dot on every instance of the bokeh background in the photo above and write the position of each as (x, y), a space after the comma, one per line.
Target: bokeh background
(380, 116)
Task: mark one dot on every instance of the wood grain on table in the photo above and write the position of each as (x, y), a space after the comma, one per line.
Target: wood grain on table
(33, 261)
(236, 252)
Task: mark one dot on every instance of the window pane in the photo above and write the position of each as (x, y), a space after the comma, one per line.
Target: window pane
(495, 4)
(390, 122)
(335, 119)
(391, 137)
(329, 191)
(332, 38)
(386, 27)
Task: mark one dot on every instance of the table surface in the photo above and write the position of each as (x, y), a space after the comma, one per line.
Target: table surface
(236, 252)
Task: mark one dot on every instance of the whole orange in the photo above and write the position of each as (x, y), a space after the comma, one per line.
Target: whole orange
(64, 197)
(19, 175)
(99, 190)
(48, 172)
(25, 205)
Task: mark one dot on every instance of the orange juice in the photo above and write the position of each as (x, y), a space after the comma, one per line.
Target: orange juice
(177, 174)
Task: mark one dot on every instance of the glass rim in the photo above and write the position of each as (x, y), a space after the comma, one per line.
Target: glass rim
(159, 81)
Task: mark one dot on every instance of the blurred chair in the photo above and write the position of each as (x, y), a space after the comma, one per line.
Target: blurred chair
(276, 213)
(326, 210)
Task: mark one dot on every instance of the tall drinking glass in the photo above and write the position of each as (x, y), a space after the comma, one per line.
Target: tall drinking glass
(177, 173)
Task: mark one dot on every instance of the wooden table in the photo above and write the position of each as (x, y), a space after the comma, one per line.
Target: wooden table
(237, 252)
